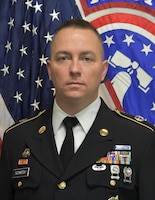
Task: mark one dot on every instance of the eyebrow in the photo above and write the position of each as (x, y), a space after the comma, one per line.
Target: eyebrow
(69, 53)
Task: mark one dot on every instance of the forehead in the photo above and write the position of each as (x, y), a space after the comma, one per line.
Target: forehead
(72, 35)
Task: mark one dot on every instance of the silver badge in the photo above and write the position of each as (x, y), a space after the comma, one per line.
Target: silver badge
(98, 167)
(115, 170)
(127, 174)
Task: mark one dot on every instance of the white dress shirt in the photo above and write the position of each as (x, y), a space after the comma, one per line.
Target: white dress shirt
(85, 117)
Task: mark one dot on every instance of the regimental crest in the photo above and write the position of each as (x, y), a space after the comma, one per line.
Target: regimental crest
(128, 34)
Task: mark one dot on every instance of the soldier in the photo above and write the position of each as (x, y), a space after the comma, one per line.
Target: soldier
(109, 156)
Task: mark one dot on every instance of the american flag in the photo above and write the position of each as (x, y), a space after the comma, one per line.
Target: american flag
(27, 28)
(127, 28)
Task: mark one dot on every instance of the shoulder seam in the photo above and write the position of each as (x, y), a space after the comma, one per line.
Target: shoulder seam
(22, 122)
(120, 114)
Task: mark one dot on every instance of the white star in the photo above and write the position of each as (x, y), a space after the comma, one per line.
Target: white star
(35, 104)
(29, 3)
(54, 91)
(38, 81)
(149, 2)
(37, 7)
(128, 39)
(48, 37)
(20, 74)
(34, 30)
(8, 46)
(11, 23)
(54, 15)
(5, 70)
(43, 60)
(153, 107)
(14, 1)
(146, 49)
(23, 51)
(93, 1)
(109, 40)
(18, 97)
(26, 27)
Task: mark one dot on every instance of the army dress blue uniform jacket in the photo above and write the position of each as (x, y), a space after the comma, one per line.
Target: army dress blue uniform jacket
(116, 161)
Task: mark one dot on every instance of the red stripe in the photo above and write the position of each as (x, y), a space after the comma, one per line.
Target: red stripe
(108, 5)
(113, 95)
(124, 18)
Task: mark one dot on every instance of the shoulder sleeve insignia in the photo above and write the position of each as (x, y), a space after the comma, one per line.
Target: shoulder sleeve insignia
(137, 119)
(24, 121)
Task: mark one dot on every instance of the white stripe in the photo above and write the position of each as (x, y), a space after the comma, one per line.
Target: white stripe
(5, 118)
(129, 27)
(115, 26)
(108, 11)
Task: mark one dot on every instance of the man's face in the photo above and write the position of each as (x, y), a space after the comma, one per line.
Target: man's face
(76, 67)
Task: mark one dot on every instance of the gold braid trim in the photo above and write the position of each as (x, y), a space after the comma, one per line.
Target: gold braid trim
(134, 120)
(24, 121)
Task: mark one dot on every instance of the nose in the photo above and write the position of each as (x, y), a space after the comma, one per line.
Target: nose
(75, 67)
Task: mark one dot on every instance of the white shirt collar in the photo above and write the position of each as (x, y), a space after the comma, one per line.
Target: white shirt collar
(86, 117)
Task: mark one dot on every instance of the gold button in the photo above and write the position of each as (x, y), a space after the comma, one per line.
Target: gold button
(104, 132)
(112, 182)
(20, 183)
(62, 185)
(42, 129)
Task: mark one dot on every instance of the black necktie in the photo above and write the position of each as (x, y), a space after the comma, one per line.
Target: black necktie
(67, 149)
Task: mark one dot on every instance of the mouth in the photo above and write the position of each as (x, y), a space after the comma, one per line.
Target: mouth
(75, 83)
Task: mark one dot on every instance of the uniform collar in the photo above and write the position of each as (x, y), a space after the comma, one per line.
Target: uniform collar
(86, 116)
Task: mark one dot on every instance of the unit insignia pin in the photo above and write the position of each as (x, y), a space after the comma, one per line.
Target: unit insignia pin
(26, 153)
(139, 118)
(114, 198)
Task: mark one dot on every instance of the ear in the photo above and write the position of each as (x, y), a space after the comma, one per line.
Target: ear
(104, 69)
(49, 69)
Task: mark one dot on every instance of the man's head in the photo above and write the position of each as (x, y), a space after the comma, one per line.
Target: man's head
(76, 67)
(81, 24)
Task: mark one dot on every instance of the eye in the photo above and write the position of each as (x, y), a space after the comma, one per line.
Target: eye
(87, 58)
(63, 58)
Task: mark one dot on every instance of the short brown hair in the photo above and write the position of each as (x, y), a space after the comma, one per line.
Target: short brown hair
(78, 23)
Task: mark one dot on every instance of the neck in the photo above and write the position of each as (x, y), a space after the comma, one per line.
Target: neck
(72, 107)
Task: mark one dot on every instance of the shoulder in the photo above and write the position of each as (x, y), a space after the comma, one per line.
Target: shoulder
(135, 119)
(25, 121)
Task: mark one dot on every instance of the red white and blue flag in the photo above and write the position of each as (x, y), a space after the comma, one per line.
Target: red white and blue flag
(27, 28)
(127, 29)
